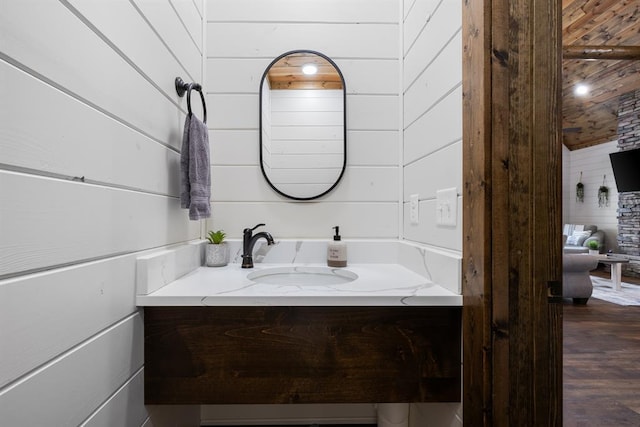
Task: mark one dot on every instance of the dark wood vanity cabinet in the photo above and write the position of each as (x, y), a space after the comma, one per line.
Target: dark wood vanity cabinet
(275, 355)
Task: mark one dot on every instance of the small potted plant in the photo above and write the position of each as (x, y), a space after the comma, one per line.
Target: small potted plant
(593, 247)
(217, 252)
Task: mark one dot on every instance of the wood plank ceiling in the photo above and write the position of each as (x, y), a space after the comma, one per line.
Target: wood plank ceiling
(287, 73)
(593, 119)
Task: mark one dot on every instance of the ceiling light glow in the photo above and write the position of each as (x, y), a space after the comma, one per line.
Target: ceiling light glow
(309, 69)
(581, 90)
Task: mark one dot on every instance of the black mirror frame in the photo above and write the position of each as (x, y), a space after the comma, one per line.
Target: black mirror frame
(344, 119)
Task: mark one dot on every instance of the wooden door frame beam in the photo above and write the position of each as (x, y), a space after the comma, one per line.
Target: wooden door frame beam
(476, 206)
(512, 359)
(601, 52)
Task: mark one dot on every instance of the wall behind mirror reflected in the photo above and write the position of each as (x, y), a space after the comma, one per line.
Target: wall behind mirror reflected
(302, 125)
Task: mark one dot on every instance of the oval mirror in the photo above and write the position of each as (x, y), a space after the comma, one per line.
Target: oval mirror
(303, 137)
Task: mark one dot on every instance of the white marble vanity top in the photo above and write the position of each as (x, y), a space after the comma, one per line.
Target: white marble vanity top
(389, 273)
(376, 285)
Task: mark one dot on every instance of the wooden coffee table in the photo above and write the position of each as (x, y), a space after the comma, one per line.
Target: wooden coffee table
(616, 269)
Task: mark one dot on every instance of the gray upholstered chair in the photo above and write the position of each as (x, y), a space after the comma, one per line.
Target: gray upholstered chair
(576, 282)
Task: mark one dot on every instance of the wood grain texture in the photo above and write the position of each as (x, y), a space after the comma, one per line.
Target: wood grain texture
(274, 355)
(511, 149)
(601, 52)
(601, 364)
(287, 73)
(608, 32)
(476, 249)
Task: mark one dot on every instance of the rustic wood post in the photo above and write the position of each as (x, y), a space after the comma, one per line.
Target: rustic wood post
(512, 213)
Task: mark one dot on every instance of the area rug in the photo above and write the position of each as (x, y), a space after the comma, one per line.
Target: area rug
(629, 295)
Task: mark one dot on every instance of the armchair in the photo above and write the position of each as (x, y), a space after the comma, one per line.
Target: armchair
(576, 282)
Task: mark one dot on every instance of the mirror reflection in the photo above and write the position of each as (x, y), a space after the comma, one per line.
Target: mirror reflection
(302, 124)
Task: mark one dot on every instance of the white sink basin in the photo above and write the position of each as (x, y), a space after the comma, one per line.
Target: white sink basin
(300, 276)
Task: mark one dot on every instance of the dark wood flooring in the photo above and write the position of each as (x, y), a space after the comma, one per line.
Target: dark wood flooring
(601, 376)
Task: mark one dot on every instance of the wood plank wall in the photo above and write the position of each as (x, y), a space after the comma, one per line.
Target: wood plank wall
(243, 37)
(512, 177)
(90, 129)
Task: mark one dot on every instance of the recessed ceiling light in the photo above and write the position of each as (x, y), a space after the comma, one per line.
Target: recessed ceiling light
(581, 90)
(309, 69)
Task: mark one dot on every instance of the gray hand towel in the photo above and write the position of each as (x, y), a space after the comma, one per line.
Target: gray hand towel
(195, 172)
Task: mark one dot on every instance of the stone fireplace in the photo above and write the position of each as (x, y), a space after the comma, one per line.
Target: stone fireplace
(629, 202)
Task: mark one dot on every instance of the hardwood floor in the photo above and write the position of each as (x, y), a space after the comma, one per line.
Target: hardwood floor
(603, 271)
(601, 364)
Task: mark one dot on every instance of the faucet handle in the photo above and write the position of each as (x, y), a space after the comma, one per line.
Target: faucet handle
(250, 230)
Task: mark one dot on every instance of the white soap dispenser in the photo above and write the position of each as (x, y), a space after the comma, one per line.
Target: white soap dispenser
(337, 251)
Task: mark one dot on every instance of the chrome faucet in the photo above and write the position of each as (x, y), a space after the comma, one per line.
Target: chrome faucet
(248, 242)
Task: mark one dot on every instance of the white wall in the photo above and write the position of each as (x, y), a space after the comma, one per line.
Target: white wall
(91, 129)
(266, 127)
(361, 36)
(432, 84)
(595, 165)
(566, 183)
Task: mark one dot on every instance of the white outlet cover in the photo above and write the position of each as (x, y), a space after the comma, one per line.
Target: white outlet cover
(447, 207)
(414, 209)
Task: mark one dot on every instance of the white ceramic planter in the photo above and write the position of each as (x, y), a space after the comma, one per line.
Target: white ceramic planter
(594, 252)
(217, 255)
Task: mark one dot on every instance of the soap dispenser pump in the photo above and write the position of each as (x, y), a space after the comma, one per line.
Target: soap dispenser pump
(337, 251)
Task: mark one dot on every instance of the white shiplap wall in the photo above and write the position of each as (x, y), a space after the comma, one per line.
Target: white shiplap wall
(307, 142)
(432, 84)
(90, 132)
(432, 149)
(243, 37)
(595, 165)
(566, 183)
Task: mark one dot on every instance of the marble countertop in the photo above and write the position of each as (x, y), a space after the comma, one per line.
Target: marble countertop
(376, 285)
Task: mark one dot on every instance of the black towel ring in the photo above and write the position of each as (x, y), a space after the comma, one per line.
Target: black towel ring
(182, 87)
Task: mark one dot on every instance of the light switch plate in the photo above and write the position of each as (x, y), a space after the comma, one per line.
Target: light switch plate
(414, 209)
(447, 207)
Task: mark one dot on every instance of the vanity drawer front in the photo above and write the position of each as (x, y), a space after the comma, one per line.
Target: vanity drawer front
(275, 355)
